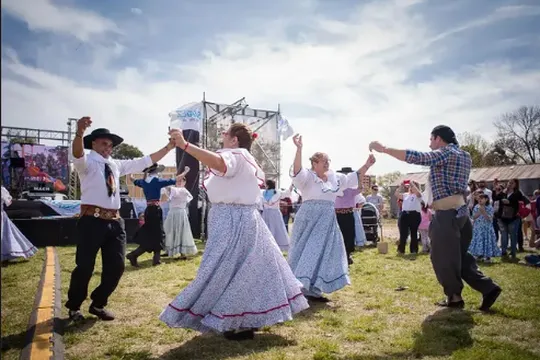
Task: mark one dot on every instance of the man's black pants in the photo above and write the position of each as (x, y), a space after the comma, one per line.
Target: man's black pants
(96, 234)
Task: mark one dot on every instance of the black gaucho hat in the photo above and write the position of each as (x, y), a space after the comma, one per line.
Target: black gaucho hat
(345, 170)
(101, 133)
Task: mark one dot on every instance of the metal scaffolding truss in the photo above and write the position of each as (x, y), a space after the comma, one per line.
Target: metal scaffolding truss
(36, 135)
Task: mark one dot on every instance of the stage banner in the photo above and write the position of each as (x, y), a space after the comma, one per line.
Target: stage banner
(43, 164)
(189, 119)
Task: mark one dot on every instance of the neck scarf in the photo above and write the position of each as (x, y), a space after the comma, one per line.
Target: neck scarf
(110, 181)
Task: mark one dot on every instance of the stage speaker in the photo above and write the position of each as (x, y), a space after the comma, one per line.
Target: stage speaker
(127, 210)
(17, 163)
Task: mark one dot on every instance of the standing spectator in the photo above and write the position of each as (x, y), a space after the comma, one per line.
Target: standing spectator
(509, 220)
(410, 216)
(376, 199)
(285, 205)
(497, 196)
(423, 229)
(482, 187)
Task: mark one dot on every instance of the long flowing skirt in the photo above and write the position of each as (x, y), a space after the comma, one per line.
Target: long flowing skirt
(317, 255)
(274, 220)
(360, 234)
(151, 235)
(243, 280)
(14, 243)
(178, 236)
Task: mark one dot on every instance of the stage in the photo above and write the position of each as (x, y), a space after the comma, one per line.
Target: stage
(57, 231)
(54, 223)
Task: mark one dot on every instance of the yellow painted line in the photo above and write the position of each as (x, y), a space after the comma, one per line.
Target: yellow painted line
(41, 348)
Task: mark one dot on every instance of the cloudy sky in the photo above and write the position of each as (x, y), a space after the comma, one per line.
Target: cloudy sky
(345, 72)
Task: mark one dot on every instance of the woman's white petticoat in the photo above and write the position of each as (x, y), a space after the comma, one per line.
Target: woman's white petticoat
(14, 243)
(178, 236)
(360, 234)
(274, 220)
(317, 255)
(243, 281)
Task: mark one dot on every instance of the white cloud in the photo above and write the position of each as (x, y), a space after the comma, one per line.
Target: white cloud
(44, 16)
(360, 81)
(136, 11)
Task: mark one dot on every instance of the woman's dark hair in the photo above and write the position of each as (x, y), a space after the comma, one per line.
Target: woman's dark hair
(270, 184)
(516, 184)
(244, 135)
(445, 133)
(424, 206)
(484, 196)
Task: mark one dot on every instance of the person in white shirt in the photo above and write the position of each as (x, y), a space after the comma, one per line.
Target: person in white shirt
(485, 190)
(100, 226)
(410, 215)
(376, 199)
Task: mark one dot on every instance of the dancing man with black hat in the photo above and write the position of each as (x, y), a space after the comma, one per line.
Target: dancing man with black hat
(100, 226)
(151, 237)
(450, 230)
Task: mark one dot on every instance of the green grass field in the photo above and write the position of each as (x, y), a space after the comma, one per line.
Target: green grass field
(367, 320)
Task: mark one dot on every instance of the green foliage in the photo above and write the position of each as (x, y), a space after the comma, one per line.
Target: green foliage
(126, 152)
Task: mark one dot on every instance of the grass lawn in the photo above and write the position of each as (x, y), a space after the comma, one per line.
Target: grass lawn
(367, 320)
(19, 285)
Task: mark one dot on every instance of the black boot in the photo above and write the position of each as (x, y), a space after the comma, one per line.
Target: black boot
(157, 258)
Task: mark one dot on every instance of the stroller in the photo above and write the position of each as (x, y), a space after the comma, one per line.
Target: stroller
(371, 221)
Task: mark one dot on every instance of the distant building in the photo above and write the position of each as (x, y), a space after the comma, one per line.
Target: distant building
(527, 174)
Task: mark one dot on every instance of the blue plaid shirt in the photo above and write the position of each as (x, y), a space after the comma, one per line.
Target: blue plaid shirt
(450, 168)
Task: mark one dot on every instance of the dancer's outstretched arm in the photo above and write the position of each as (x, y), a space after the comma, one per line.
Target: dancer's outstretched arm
(297, 139)
(208, 158)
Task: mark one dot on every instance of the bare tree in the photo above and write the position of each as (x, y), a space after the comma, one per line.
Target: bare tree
(519, 133)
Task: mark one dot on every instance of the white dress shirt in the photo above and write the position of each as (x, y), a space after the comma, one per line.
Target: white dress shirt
(91, 170)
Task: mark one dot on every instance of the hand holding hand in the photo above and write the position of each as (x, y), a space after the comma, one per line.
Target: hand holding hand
(376, 146)
(177, 138)
(83, 123)
(297, 139)
(370, 161)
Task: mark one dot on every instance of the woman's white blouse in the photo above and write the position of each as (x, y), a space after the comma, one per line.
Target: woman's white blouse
(411, 202)
(179, 197)
(241, 181)
(314, 188)
(274, 202)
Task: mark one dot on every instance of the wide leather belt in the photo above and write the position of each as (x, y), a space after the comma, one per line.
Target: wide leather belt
(99, 212)
(344, 211)
(153, 203)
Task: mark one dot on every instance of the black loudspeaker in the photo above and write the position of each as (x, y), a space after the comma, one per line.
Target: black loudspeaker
(127, 210)
(17, 163)
(192, 179)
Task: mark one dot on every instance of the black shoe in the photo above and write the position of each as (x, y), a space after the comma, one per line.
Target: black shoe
(490, 298)
(451, 304)
(350, 260)
(239, 335)
(103, 314)
(132, 260)
(320, 299)
(76, 315)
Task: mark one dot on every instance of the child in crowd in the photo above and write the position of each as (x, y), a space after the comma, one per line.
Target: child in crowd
(424, 226)
(484, 243)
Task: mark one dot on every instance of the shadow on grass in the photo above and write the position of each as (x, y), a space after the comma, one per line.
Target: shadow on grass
(147, 263)
(442, 334)
(210, 346)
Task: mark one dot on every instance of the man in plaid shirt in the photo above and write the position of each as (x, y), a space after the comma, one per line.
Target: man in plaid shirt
(450, 230)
